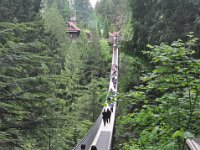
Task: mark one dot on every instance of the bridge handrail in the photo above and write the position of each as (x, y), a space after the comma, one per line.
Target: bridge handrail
(88, 138)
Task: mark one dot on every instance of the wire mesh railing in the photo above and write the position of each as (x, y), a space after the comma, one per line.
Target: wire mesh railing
(89, 137)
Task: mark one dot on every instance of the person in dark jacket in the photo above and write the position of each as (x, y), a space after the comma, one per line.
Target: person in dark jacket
(93, 147)
(108, 99)
(108, 115)
(82, 146)
(105, 116)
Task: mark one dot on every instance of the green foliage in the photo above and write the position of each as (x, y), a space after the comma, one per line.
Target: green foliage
(19, 10)
(105, 50)
(106, 29)
(127, 31)
(64, 7)
(104, 8)
(130, 71)
(84, 12)
(44, 93)
(96, 59)
(48, 81)
(154, 22)
(114, 10)
(98, 27)
(55, 23)
(29, 104)
(164, 109)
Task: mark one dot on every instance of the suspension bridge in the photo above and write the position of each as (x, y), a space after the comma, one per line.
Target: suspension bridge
(100, 135)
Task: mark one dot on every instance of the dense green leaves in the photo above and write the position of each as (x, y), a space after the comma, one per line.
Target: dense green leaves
(154, 22)
(166, 75)
(114, 10)
(106, 29)
(169, 109)
(83, 11)
(47, 83)
(64, 7)
(19, 10)
(26, 90)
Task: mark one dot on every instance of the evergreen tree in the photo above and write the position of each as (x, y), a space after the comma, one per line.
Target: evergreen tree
(114, 10)
(154, 22)
(106, 29)
(83, 10)
(99, 27)
(166, 101)
(104, 8)
(19, 10)
(64, 7)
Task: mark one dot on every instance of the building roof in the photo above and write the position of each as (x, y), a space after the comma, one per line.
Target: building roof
(72, 27)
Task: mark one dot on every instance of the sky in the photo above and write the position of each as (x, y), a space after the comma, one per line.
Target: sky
(93, 2)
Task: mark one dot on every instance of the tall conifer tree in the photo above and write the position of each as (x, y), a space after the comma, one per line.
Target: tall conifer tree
(106, 28)
(99, 27)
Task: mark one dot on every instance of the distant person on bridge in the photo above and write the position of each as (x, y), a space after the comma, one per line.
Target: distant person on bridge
(114, 84)
(115, 37)
(93, 147)
(82, 146)
(114, 73)
(108, 115)
(111, 106)
(115, 46)
(111, 90)
(105, 116)
(108, 98)
(113, 79)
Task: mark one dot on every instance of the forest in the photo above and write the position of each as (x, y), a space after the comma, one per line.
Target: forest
(53, 87)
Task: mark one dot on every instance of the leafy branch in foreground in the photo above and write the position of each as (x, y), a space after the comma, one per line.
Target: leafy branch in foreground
(172, 103)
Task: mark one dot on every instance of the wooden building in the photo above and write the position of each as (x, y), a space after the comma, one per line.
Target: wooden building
(73, 30)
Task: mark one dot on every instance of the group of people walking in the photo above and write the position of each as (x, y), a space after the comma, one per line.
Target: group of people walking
(115, 39)
(106, 114)
(114, 70)
(106, 119)
(114, 75)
